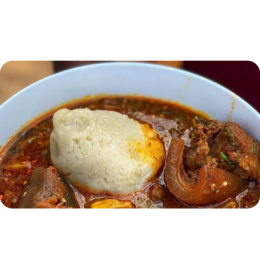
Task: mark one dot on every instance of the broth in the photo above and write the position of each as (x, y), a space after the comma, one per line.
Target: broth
(30, 149)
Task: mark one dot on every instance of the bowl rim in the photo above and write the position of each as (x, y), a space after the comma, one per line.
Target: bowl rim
(140, 64)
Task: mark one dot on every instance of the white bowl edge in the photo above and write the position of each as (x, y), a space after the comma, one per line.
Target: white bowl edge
(126, 78)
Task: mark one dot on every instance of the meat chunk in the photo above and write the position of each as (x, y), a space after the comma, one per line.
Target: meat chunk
(44, 190)
(51, 203)
(236, 151)
(195, 156)
(212, 185)
(225, 146)
(212, 129)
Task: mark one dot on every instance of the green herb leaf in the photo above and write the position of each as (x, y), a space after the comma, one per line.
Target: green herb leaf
(225, 158)
(232, 142)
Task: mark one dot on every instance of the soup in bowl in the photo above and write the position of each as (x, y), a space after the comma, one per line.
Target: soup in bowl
(128, 135)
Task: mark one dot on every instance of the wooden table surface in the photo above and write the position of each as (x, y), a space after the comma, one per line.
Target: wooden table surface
(17, 74)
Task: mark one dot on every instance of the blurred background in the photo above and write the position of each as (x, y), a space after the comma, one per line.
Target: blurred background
(241, 77)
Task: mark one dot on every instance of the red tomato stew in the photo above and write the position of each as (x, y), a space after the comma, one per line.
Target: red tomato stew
(206, 163)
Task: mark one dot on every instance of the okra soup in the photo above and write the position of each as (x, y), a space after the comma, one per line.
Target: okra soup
(130, 152)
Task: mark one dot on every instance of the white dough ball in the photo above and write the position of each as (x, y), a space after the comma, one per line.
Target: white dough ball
(105, 151)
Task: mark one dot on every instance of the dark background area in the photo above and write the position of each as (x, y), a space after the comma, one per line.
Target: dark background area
(242, 77)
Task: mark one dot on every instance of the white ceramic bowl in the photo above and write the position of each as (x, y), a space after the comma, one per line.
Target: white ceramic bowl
(126, 78)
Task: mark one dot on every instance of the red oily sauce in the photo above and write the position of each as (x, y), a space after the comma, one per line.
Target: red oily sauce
(30, 150)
